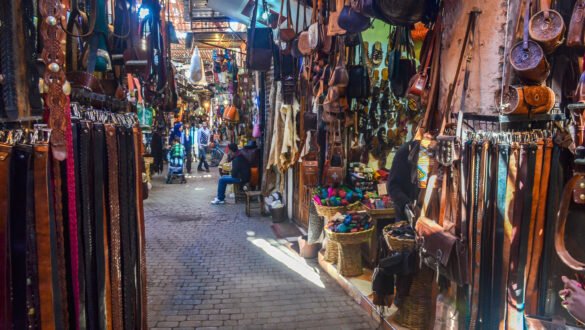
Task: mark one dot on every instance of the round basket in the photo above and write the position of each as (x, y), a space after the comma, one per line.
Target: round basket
(415, 310)
(328, 211)
(331, 251)
(357, 206)
(398, 244)
(350, 238)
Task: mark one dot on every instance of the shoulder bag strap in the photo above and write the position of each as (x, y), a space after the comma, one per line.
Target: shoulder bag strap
(561, 222)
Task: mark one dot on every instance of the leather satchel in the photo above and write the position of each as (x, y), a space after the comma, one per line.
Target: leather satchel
(366, 7)
(287, 34)
(334, 167)
(314, 29)
(528, 58)
(310, 164)
(420, 81)
(525, 100)
(547, 28)
(259, 45)
(340, 76)
(439, 248)
(333, 28)
(575, 34)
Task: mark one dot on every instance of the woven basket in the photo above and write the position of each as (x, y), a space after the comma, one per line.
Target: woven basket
(349, 262)
(416, 308)
(357, 206)
(386, 213)
(331, 251)
(350, 238)
(328, 211)
(398, 244)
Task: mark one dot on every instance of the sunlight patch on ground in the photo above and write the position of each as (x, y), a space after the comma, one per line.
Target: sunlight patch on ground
(286, 257)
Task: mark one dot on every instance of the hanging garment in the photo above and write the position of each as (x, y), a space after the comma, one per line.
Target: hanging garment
(289, 150)
(277, 131)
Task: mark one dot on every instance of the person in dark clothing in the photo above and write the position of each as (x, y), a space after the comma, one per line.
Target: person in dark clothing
(203, 139)
(240, 173)
(403, 180)
(188, 144)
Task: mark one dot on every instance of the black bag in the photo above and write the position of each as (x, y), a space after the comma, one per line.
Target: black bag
(359, 82)
(401, 69)
(260, 45)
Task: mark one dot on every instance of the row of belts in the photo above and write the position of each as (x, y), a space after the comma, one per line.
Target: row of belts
(114, 226)
(77, 145)
(138, 163)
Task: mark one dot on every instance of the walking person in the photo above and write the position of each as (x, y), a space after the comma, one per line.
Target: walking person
(188, 143)
(203, 137)
(240, 173)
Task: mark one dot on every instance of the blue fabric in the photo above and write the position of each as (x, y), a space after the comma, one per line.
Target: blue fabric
(222, 185)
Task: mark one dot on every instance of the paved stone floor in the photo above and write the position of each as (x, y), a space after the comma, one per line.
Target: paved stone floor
(213, 267)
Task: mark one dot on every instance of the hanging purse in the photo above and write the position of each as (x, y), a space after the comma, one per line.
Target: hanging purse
(359, 82)
(547, 28)
(340, 76)
(314, 36)
(404, 65)
(309, 121)
(527, 57)
(441, 250)
(527, 100)
(574, 192)
(287, 34)
(333, 28)
(366, 7)
(334, 167)
(401, 12)
(575, 34)
(256, 131)
(259, 52)
(310, 164)
(352, 21)
(420, 81)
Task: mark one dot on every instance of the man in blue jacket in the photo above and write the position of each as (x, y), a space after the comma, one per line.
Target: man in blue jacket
(240, 173)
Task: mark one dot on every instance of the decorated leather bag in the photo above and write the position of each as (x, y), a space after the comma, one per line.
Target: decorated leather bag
(288, 33)
(310, 163)
(528, 100)
(547, 27)
(576, 31)
(333, 174)
(527, 57)
(333, 28)
(420, 81)
(259, 52)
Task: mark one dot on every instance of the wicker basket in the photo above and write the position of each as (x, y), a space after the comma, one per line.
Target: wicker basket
(381, 213)
(357, 206)
(331, 251)
(349, 262)
(398, 244)
(328, 211)
(416, 308)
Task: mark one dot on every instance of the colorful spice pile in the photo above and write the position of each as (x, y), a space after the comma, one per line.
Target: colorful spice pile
(352, 222)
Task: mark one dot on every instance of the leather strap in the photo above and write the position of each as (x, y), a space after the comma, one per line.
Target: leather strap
(43, 236)
(141, 234)
(53, 36)
(18, 234)
(5, 181)
(576, 182)
(114, 225)
(81, 315)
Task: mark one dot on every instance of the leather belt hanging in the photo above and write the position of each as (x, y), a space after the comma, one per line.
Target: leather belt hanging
(114, 225)
(138, 165)
(5, 187)
(21, 163)
(43, 235)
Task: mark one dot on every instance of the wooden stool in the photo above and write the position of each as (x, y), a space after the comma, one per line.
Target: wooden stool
(251, 195)
(239, 193)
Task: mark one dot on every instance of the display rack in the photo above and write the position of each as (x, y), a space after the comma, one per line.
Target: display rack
(513, 122)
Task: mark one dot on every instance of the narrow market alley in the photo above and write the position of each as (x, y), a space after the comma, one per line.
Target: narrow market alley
(211, 266)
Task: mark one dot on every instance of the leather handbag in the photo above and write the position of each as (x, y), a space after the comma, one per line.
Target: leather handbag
(439, 248)
(287, 34)
(359, 82)
(574, 192)
(526, 100)
(420, 81)
(310, 164)
(334, 167)
(403, 65)
(576, 31)
(527, 57)
(352, 21)
(314, 29)
(401, 12)
(547, 28)
(366, 7)
(259, 51)
(333, 28)
(340, 76)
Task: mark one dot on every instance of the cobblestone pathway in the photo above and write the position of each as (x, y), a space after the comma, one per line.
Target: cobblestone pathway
(213, 267)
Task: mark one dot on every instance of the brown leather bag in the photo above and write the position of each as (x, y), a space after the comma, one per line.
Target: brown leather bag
(333, 28)
(310, 164)
(340, 76)
(334, 174)
(231, 114)
(420, 81)
(547, 28)
(575, 34)
(525, 100)
(287, 34)
(574, 191)
(527, 57)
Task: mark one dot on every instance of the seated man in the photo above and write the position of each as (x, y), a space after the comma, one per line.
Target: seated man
(240, 173)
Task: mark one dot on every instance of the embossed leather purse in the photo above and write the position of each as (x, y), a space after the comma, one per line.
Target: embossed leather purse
(527, 57)
(576, 31)
(547, 28)
(525, 100)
